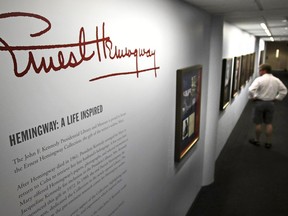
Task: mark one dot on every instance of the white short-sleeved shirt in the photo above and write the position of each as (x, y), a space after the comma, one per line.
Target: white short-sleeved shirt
(267, 88)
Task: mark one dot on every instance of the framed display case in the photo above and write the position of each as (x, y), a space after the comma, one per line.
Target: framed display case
(188, 105)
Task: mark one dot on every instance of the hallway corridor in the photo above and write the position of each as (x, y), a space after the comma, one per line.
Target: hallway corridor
(250, 180)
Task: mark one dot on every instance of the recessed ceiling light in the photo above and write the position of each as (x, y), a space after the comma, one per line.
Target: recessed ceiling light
(263, 25)
(285, 20)
(265, 28)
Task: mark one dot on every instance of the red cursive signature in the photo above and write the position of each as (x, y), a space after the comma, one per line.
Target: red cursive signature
(105, 49)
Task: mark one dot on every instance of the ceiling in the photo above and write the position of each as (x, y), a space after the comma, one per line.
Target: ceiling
(248, 14)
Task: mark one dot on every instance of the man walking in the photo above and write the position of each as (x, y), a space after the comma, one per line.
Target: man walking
(264, 91)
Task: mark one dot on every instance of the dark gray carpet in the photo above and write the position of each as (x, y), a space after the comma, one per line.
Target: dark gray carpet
(250, 180)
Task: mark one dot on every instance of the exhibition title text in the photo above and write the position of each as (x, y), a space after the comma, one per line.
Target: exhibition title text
(48, 127)
(102, 48)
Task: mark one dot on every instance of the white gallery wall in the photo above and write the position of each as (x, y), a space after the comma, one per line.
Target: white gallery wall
(88, 101)
(88, 91)
(213, 96)
(235, 43)
(261, 45)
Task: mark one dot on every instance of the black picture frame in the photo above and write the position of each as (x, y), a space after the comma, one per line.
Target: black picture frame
(236, 76)
(188, 107)
(261, 58)
(225, 94)
(252, 64)
(243, 70)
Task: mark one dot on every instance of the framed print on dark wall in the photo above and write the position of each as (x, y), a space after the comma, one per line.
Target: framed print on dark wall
(225, 94)
(188, 105)
(236, 76)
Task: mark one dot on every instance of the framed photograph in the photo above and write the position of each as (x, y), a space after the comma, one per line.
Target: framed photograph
(261, 59)
(248, 68)
(243, 70)
(225, 94)
(252, 64)
(236, 76)
(188, 105)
